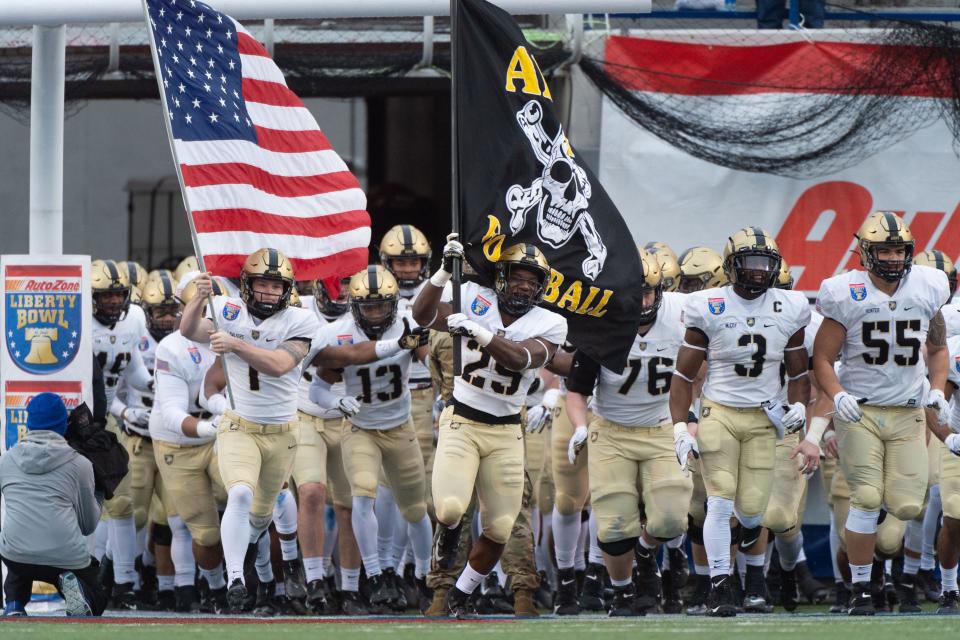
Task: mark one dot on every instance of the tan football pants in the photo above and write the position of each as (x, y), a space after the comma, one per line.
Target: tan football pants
(571, 481)
(192, 479)
(319, 459)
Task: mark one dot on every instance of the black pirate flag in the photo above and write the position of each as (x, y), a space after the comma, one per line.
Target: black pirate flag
(520, 180)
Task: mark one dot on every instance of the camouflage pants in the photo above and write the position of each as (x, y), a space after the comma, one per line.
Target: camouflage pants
(518, 555)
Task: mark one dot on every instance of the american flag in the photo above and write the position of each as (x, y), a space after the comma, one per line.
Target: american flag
(257, 170)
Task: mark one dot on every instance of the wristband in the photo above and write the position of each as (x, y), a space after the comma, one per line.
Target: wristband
(815, 431)
(440, 278)
(484, 336)
(206, 429)
(550, 397)
(680, 429)
(216, 404)
(386, 348)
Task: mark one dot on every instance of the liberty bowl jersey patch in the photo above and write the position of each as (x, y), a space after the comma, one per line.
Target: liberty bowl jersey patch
(345, 339)
(858, 291)
(480, 305)
(144, 343)
(956, 363)
(717, 305)
(194, 354)
(231, 311)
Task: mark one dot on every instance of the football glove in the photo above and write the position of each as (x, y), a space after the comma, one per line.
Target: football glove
(684, 444)
(459, 325)
(937, 401)
(847, 407)
(795, 419)
(577, 442)
(348, 406)
(413, 338)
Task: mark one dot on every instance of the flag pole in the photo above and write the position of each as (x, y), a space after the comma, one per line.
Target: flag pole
(455, 174)
(183, 193)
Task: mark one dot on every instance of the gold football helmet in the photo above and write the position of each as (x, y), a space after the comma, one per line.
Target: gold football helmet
(190, 291)
(186, 265)
(295, 299)
(406, 241)
(669, 265)
(374, 296)
(333, 308)
(939, 260)
(785, 278)
(156, 273)
(111, 291)
(651, 280)
(700, 268)
(656, 248)
(305, 287)
(751, 260)
(885, 230)
(522, 256)
(266, 264)
(136, 275)
(161, 306)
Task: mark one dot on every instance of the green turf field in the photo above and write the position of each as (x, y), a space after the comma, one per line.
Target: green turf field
(808, 625)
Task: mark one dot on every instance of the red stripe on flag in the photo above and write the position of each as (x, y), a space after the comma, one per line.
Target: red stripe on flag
(339, 264)
(43, 271)
(249, 46)
(286, 186)
(272, 93)
(641, 64)
(216, 220)
(291, 141)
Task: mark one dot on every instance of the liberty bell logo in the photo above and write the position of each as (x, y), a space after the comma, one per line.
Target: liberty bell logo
(41, 341)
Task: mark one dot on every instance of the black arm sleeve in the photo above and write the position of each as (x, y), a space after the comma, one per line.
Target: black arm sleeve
(99, 394)
(583, 374)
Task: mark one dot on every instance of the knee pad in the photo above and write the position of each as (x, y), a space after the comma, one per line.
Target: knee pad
(694, 531)
(866, 498)
(499, 529)
(206, 536)
(414, 513)
(240, 495)
(566, 504)
(619, 547)
(161, 534)
(906, 511)
(665, 526)
(860, 521)
(778, 520)
(119, 507)
(260, 523)
(449, 510)
(748, 537)
(749, 522)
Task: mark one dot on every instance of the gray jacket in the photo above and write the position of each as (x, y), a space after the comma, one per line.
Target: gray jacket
(49, 502)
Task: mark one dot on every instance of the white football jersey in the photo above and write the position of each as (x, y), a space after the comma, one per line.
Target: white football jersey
(809, 335)
(640, 396)
(485, 385)
(953, 375)
(951, 318)
(310, 372)
(148, 353)
(183, 364)
(747, 339)
(419, 372)
(117, 349)
(380, 386)
(881, 357)
(259, 397)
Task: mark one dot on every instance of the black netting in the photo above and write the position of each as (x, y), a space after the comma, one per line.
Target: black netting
(801, 122)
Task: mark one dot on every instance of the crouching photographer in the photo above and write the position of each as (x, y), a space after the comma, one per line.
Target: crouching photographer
(51, 505)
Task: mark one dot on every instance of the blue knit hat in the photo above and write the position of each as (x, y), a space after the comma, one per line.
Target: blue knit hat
(47, 411)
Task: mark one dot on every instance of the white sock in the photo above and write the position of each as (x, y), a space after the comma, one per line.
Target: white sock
(757, 560)
(288, 549)
(580, 559)
(326, 563)
(647, 545)
(285, 513)
(181, 551)
(948, 579)
(716, 535)
(860, 572)
(930, 521)
(146, 556)
(364, 522)
(123, 540)
(214, 576)
(566, 533)
(102, 536)
(910, 565)
(421, 540)
(701, 569)
(400, 542)
(235, 530)
(595, 553)
(677, 543)
(166, 583)
(388, 517)
(789, 550)
(469, 580)
(349, 579)
(834, 549)
(313, 569)
(142, 541)
(263, 564)
(621, 583)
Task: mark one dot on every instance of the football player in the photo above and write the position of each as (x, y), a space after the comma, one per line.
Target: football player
(939, 260)
(185, 266)
(509, 338)
(744, 332)
(632, 458)
(373, 347)
(878, 321)
(948, 544)
(183, 434)
(700, 268)
(117, 329)
(669, 264)
(263, 343)
(318, 473)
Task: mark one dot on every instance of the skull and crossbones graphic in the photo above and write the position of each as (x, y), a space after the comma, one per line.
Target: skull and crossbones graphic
(561, 193)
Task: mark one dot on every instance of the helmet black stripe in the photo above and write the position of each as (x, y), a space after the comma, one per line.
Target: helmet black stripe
(131, 272)
(759, 237)
(531, 252)
(892, 225)
(273, 260)
(407, 237)
(166, 285)
(938, 257)
(112, 268)
(373, 286)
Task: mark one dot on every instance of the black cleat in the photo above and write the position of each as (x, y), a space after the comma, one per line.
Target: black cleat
(457, 605)
(861, 601)
(755, 596)
(149, 585)
(334, 604)
(294, 584)
(237, 596)
(316, 601)
(697, 605)
(928, 585)
(948, 603)
(788, 589)
(624, 603)
(352, 604)
(424, 594)
(720, 603)
(186, 599)
(166, 601)
(446, 542)
(214, 601)
(382, 591)
(648, 579)
(908, 595)
(493, 599)
(392, 580)
(266, 606)
(841, 602)
(566, 602)
(812, 590)
(591, 596)
(124, 597)
(105, 574)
